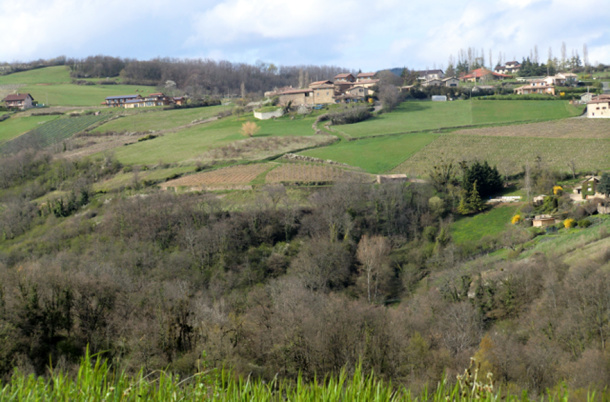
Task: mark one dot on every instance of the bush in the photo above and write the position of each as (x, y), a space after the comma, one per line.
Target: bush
(584, 223)
(569, 223)
(516, 219)
(350, 116)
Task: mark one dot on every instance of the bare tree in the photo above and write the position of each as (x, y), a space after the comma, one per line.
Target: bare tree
(373, 254)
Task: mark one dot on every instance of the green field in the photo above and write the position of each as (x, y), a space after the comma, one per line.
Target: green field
(47, 75)
(53, 132)
(510, 154)
(18, 124)
(472, 229)
(81, 95)
(51, 86)
(375, 155)
(417, 116)
(190, 143)
(159, 119)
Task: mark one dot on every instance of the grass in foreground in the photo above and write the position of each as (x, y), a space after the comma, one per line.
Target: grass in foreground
(96, 380)
(375, 155)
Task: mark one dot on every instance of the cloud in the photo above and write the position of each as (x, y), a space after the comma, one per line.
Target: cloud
(351, 33)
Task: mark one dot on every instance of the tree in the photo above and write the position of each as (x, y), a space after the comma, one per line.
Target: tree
(604, 184)
(488, 178)
(389, 96)
(249, 128)
(373, 254)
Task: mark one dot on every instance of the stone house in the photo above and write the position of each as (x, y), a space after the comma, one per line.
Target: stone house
(599, 107)
(543, 220)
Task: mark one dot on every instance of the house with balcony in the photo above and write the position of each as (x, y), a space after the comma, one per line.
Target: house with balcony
(19, 101)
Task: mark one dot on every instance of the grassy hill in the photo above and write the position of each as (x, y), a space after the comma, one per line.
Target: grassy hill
(52, 86)
(419, 116)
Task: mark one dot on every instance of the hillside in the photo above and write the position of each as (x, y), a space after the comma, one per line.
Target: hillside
(170, 239)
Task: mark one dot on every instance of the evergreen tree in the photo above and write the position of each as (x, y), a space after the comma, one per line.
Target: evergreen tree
(475, 201)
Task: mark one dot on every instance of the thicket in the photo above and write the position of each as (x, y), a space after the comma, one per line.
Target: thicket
(275, 289)
(351, 115)
(201, 77)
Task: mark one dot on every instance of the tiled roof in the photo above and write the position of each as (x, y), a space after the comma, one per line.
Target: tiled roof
(366, 75)
(123, 97)
(295, 91)
(17, 97)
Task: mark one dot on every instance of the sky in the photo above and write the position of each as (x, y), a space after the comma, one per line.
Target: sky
(355, 34)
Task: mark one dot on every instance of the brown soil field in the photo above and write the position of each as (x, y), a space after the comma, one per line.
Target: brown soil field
(577, 127)
(302, 173)
(233, 175)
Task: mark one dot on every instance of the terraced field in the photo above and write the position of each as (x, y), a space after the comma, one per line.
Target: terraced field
(302, 173)
(240, 175)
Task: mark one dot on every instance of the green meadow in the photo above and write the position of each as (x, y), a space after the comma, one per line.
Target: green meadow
(510, 154)
(375, 155)
(474, 228)
(52, 86)
(156, 119)
(427, 116)
(46, 75)
(19, 124)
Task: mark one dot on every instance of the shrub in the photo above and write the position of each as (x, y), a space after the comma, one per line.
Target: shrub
(516, 219)
(557, 190)
(569, 223)
(584, 223)
(249, 128)
(350, 116)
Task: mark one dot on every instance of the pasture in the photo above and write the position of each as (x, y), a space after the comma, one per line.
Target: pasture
(52, 132)
(375, 155)
(46, 75)
(19, 124)
(154, 119)
(510, 154)
(430, 116)
(468, 229)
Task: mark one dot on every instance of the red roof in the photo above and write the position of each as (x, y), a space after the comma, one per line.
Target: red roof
(17, 97)
(296, 91)
(366, 75)
(320, 83)
(481, 72)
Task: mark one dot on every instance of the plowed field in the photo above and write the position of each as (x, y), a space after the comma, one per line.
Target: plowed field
(296, 172)
(230, 176)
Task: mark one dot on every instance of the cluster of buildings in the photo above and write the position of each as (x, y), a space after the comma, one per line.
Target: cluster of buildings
(136, 101)
(344, 88)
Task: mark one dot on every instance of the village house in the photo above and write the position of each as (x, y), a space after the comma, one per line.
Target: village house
(543, 220)
(19, 101)
(483, 74)
(535, 88)
(365, 77)
(450, 82)
(511, 67)
(297, 97)
(427, 75)
(157, 99)
(137, 101)
(599, 107)
(435, 82)
(588, 188)
(323, 93)
(120, 101)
